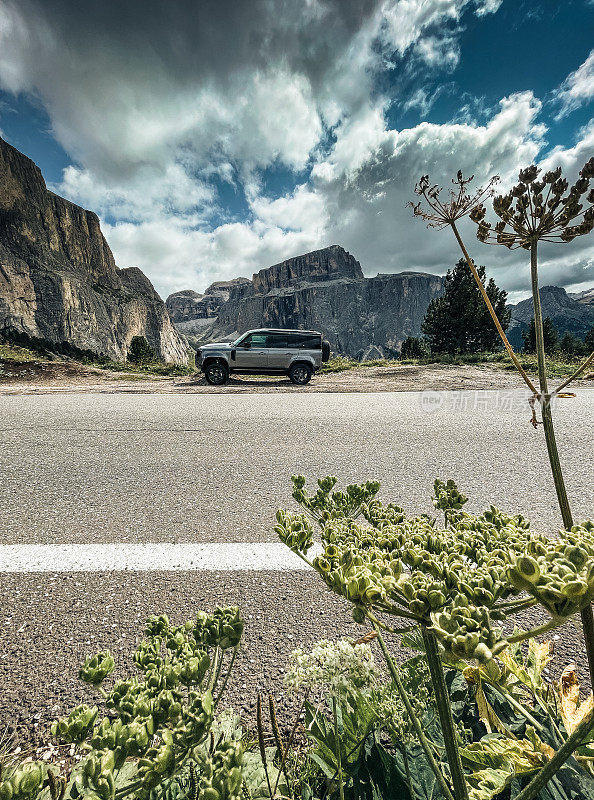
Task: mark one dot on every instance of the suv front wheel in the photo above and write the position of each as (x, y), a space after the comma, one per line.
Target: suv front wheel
(216, 373)
(300, 374)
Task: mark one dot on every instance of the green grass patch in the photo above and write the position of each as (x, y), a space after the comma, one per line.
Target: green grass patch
(9, 352)
(151, 370)
(558, 365)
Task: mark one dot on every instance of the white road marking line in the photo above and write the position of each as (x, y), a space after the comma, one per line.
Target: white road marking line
(147, 557)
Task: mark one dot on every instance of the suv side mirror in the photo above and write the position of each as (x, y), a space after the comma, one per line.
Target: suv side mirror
(247, 344)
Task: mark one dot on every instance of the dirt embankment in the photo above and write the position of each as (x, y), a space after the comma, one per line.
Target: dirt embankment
(35, 377)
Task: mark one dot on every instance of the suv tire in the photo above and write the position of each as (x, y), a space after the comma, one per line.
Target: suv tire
(216, 373)
(300, 373)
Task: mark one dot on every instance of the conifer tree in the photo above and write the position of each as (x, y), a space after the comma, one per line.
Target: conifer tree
(459, 322)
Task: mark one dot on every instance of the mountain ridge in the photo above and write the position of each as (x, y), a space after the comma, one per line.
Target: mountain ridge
(59, 282)
(325, 290)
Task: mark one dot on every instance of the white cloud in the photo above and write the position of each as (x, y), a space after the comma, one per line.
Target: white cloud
(577, 89)
(156, 105)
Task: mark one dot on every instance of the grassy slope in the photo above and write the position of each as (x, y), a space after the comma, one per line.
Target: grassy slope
(558, 366)
(10, 352)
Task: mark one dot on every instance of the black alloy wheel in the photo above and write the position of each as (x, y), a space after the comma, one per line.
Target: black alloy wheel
(216, 373)
(300, 374)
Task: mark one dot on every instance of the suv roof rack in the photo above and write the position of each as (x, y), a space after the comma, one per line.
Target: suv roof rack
(283, 330)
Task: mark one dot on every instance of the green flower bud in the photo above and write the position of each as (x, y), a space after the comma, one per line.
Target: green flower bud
(97, 668)
(77, 725)
(482, 653)
(574, 589)
(528, 568)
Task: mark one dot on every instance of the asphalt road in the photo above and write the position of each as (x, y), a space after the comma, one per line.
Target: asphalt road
(101, 469)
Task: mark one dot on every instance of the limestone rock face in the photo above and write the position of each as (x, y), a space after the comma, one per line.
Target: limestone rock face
(58, 278)
(320, 266)
(325, 290)
(568, 313)
(189, 305)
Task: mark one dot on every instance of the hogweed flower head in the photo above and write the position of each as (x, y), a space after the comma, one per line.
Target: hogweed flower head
(341, 668)
(539, 208)
(441, 212)
(462, 580)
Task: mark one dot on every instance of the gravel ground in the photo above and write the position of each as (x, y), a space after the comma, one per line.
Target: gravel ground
(171, 468)
(66, 378)
(54, 623)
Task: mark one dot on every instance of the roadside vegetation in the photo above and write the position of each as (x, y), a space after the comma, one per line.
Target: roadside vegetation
(141, 363)
(149, 370)
(9, 352)
(559, 364)
(473, 715)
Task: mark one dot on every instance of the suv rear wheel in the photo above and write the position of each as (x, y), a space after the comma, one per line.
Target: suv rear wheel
(300, 374)
(216, 373)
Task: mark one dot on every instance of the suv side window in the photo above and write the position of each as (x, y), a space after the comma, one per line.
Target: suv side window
(256, 340)
(279, 341)
(305, 341)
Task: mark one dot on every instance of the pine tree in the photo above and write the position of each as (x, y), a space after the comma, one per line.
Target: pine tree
(140, 351)
(549, 332)
(589, 340)
(458, 322)
(570, 345)
(413, 347)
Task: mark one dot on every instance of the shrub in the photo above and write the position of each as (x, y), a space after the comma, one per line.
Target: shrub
(140, 352)
(414, 347)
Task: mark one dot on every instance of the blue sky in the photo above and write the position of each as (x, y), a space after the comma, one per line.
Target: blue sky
(217, 138)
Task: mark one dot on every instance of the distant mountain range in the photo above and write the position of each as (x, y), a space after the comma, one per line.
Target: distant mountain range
(59, 285)
(324, 290)
(361, 317)
(569, 313)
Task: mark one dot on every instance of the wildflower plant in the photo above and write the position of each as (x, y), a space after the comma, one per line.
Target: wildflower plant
(461, 582)
(540, 207)
(157, 720)
(342, 668)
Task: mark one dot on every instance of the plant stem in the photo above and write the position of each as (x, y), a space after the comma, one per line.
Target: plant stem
(227, 676)
(549, 431)
(491, 310)
(531, 634)
(338, 753)
(550, 770)
(444, 710)
(577, 373)
(423, 741)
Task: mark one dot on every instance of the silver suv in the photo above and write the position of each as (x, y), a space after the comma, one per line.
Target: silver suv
(266, 351)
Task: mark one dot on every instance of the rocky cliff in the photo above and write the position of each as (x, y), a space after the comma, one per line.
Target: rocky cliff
(585, 298)
(189, 305)
(58, 279)
(324, 290)
(568, 313)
